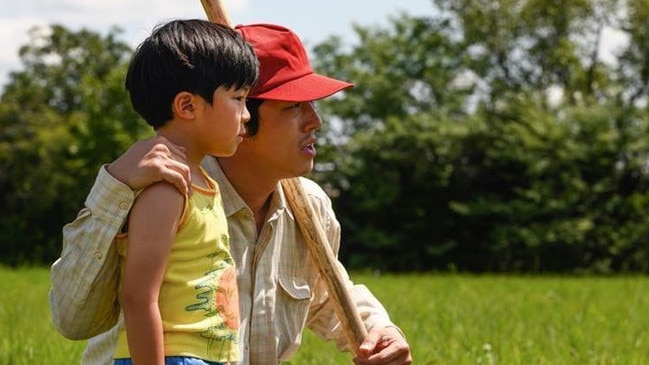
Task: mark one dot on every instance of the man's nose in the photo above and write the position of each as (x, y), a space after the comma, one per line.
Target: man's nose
(313, 120)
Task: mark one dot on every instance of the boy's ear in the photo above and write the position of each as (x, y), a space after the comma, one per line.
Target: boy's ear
(183, 105)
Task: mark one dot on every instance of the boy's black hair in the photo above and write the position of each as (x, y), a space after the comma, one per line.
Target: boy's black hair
(192, 55)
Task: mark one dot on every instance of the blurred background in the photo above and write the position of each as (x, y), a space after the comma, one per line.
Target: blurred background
(497, 136)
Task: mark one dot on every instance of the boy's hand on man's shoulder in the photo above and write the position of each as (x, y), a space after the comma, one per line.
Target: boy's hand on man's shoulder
(150, 161)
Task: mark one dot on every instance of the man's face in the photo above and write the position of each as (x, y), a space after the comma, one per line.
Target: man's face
(284, 145)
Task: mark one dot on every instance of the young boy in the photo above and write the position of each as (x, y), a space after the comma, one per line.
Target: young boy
(189, 80)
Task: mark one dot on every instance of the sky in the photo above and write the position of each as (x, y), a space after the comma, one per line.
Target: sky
(313, 21)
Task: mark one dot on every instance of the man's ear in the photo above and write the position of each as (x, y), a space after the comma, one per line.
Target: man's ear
(183, 105)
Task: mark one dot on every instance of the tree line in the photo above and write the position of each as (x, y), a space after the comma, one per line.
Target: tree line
(486, 136)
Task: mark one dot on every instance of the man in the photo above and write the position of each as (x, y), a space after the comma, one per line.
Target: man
(280, 288)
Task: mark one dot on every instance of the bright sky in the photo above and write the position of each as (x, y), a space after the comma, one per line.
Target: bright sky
(313, 21)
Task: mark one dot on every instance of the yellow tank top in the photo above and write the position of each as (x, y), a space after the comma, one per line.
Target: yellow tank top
(199, 302)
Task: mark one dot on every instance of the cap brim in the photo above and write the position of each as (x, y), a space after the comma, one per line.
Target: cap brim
(306, 88)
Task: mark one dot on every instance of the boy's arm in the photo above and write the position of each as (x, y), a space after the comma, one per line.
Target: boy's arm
(152, 226)
(83, 298)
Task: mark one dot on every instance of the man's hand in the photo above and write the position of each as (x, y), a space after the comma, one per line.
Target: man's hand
(384, 346)
(151, 161)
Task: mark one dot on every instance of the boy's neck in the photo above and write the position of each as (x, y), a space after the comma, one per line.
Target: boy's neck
(193, 158)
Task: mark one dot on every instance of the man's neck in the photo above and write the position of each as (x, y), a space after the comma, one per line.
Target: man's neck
(253, 186)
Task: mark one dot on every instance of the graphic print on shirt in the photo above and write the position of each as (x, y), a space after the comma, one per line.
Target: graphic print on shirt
(219, 299)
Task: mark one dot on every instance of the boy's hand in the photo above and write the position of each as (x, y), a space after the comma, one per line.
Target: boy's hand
(150, 161)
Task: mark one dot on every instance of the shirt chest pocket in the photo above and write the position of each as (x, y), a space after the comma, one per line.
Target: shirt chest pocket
(292, 310)
(295, 288)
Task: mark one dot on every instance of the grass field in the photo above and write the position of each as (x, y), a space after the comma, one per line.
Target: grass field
(449, 319)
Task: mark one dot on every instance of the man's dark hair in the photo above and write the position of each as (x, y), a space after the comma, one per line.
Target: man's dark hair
(252, 125)
(192, 55)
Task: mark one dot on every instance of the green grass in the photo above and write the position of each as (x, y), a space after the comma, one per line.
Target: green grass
(28, 336)
(449, 319)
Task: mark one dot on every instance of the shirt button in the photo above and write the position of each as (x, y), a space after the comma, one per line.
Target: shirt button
(123, 205)
(98, 256)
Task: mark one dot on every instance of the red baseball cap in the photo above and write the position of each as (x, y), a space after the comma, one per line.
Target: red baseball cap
(284, 70)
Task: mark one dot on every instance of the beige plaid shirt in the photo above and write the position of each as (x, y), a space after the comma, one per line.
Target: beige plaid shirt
(280, 290)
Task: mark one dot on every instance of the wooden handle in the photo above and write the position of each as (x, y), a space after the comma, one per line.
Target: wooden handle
(216, 12)
(312, 231)
(326, 261)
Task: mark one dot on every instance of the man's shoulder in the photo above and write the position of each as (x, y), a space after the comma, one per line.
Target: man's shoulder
(311, 187)
(320, 200)
(317, 195)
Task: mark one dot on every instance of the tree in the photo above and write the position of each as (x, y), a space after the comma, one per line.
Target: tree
(456, 151)
(61, 117)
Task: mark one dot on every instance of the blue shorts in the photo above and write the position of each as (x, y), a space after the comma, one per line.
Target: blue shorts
(173, 360)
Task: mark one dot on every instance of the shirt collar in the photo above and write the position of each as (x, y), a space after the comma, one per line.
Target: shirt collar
(278, 203)
(232, 201)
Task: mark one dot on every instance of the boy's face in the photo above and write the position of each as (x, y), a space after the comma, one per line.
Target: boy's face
(284, 145)
(222, 122)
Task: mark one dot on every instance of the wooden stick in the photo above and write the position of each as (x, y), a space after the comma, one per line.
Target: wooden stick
(316, 241)
(216, 12)
(312, 231)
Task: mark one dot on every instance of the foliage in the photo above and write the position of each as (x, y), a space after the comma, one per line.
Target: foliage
(493, 136)
(61, 117)
(486, 136)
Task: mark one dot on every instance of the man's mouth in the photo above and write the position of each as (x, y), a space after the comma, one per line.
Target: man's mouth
(309, 145)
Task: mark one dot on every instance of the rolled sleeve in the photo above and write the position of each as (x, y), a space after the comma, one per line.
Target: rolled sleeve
(83, 297)
(322, 318)
(324, 321)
